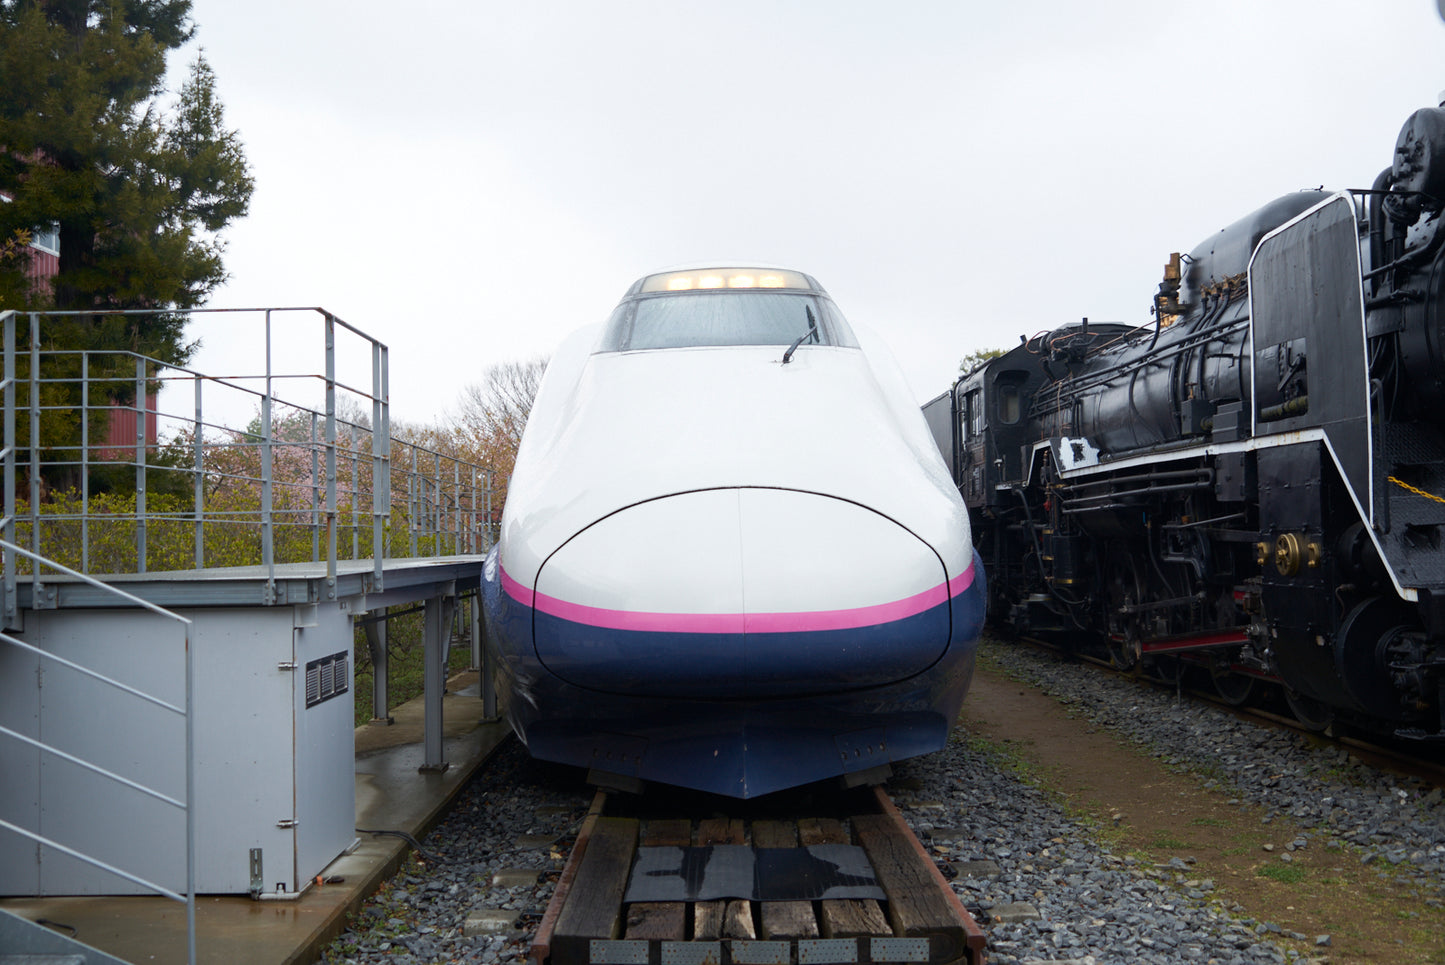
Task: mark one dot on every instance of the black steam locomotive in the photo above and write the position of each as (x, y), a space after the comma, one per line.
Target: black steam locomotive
(1255, 483)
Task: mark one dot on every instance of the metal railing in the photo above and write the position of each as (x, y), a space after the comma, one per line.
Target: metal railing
(186, 712)
(315, 473)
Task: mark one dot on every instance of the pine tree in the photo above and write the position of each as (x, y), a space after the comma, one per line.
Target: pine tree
(139, 196)
(138, 190)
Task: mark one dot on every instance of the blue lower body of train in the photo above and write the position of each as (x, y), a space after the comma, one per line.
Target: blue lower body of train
(736, 714)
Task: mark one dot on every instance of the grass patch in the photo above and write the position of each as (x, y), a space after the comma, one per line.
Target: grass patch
(1167, 842)
(1288, 874)
(999, 753)
(1209, 823)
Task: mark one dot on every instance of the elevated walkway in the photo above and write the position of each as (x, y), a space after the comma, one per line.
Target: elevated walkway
(363, 584)
(236, 930)
(173, 726)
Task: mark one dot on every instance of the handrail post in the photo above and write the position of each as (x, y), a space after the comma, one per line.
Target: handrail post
(384, 428)
(12, 605)
(35, 446)
(190, 799)
(85, 462)
(198, 482)
(355, 497)
(140, 464)
(315, 493)
(378, 529)
(331, 454)
(268, 553)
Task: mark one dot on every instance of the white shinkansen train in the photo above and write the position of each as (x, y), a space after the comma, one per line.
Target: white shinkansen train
(732, 558)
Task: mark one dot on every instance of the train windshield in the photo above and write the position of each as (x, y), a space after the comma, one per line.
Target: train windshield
(696, 319)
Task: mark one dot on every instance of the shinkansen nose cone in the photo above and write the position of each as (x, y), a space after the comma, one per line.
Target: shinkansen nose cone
(729, 593)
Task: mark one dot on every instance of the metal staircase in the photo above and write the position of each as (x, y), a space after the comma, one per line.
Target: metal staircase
(18, 934)
(23, 942)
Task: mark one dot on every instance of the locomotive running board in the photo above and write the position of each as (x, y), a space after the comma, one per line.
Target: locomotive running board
(920, 919)
(1195, 641)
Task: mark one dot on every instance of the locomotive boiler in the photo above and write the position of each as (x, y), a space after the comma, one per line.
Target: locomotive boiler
(1254, 483)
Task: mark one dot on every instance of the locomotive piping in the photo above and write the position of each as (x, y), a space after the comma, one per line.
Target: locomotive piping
(1377, 225)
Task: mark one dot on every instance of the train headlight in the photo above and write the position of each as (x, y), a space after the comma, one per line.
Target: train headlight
(712, 279)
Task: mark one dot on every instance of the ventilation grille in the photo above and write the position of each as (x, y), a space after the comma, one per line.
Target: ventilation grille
(326, 678)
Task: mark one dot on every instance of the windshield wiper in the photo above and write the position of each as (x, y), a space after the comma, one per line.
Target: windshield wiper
(812, 333)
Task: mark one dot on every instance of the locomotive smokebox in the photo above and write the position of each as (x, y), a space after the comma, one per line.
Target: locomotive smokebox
(1417, 175)
(1412, 208)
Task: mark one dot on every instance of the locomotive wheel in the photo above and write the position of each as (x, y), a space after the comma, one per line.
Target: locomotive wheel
(1123, 652)
(1362, 654)
(1311, 713)
(1235, 689)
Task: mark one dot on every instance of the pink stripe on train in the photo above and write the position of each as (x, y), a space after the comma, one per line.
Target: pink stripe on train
(813, 620)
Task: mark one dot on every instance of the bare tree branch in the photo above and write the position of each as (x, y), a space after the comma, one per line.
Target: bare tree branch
(498, 406)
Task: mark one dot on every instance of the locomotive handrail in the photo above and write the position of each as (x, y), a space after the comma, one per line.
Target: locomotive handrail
(1076, 506)
(1202, 471)
(1078, 386)
(1199, 523)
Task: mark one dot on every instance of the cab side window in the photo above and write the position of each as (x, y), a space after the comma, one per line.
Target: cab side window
(970, 417)
(1009, 399)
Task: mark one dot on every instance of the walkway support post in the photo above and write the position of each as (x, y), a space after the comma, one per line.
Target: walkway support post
(436, 644)
(376, 644)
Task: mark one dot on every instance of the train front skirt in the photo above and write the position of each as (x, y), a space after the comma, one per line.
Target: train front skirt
(779, 727)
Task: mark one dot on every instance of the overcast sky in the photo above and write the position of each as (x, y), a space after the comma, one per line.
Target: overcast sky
(469, 181)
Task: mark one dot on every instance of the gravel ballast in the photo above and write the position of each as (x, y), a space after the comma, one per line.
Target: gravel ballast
(1394, 820)
(515, 814)
(1041, 884)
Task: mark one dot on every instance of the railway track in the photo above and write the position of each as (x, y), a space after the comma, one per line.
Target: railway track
(853, 885)
(1426, 766)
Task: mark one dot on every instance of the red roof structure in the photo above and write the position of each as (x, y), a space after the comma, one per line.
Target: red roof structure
(44, 265)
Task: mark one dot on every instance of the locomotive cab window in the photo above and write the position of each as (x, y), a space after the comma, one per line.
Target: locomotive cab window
(1008, 399)
(1008, 404)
